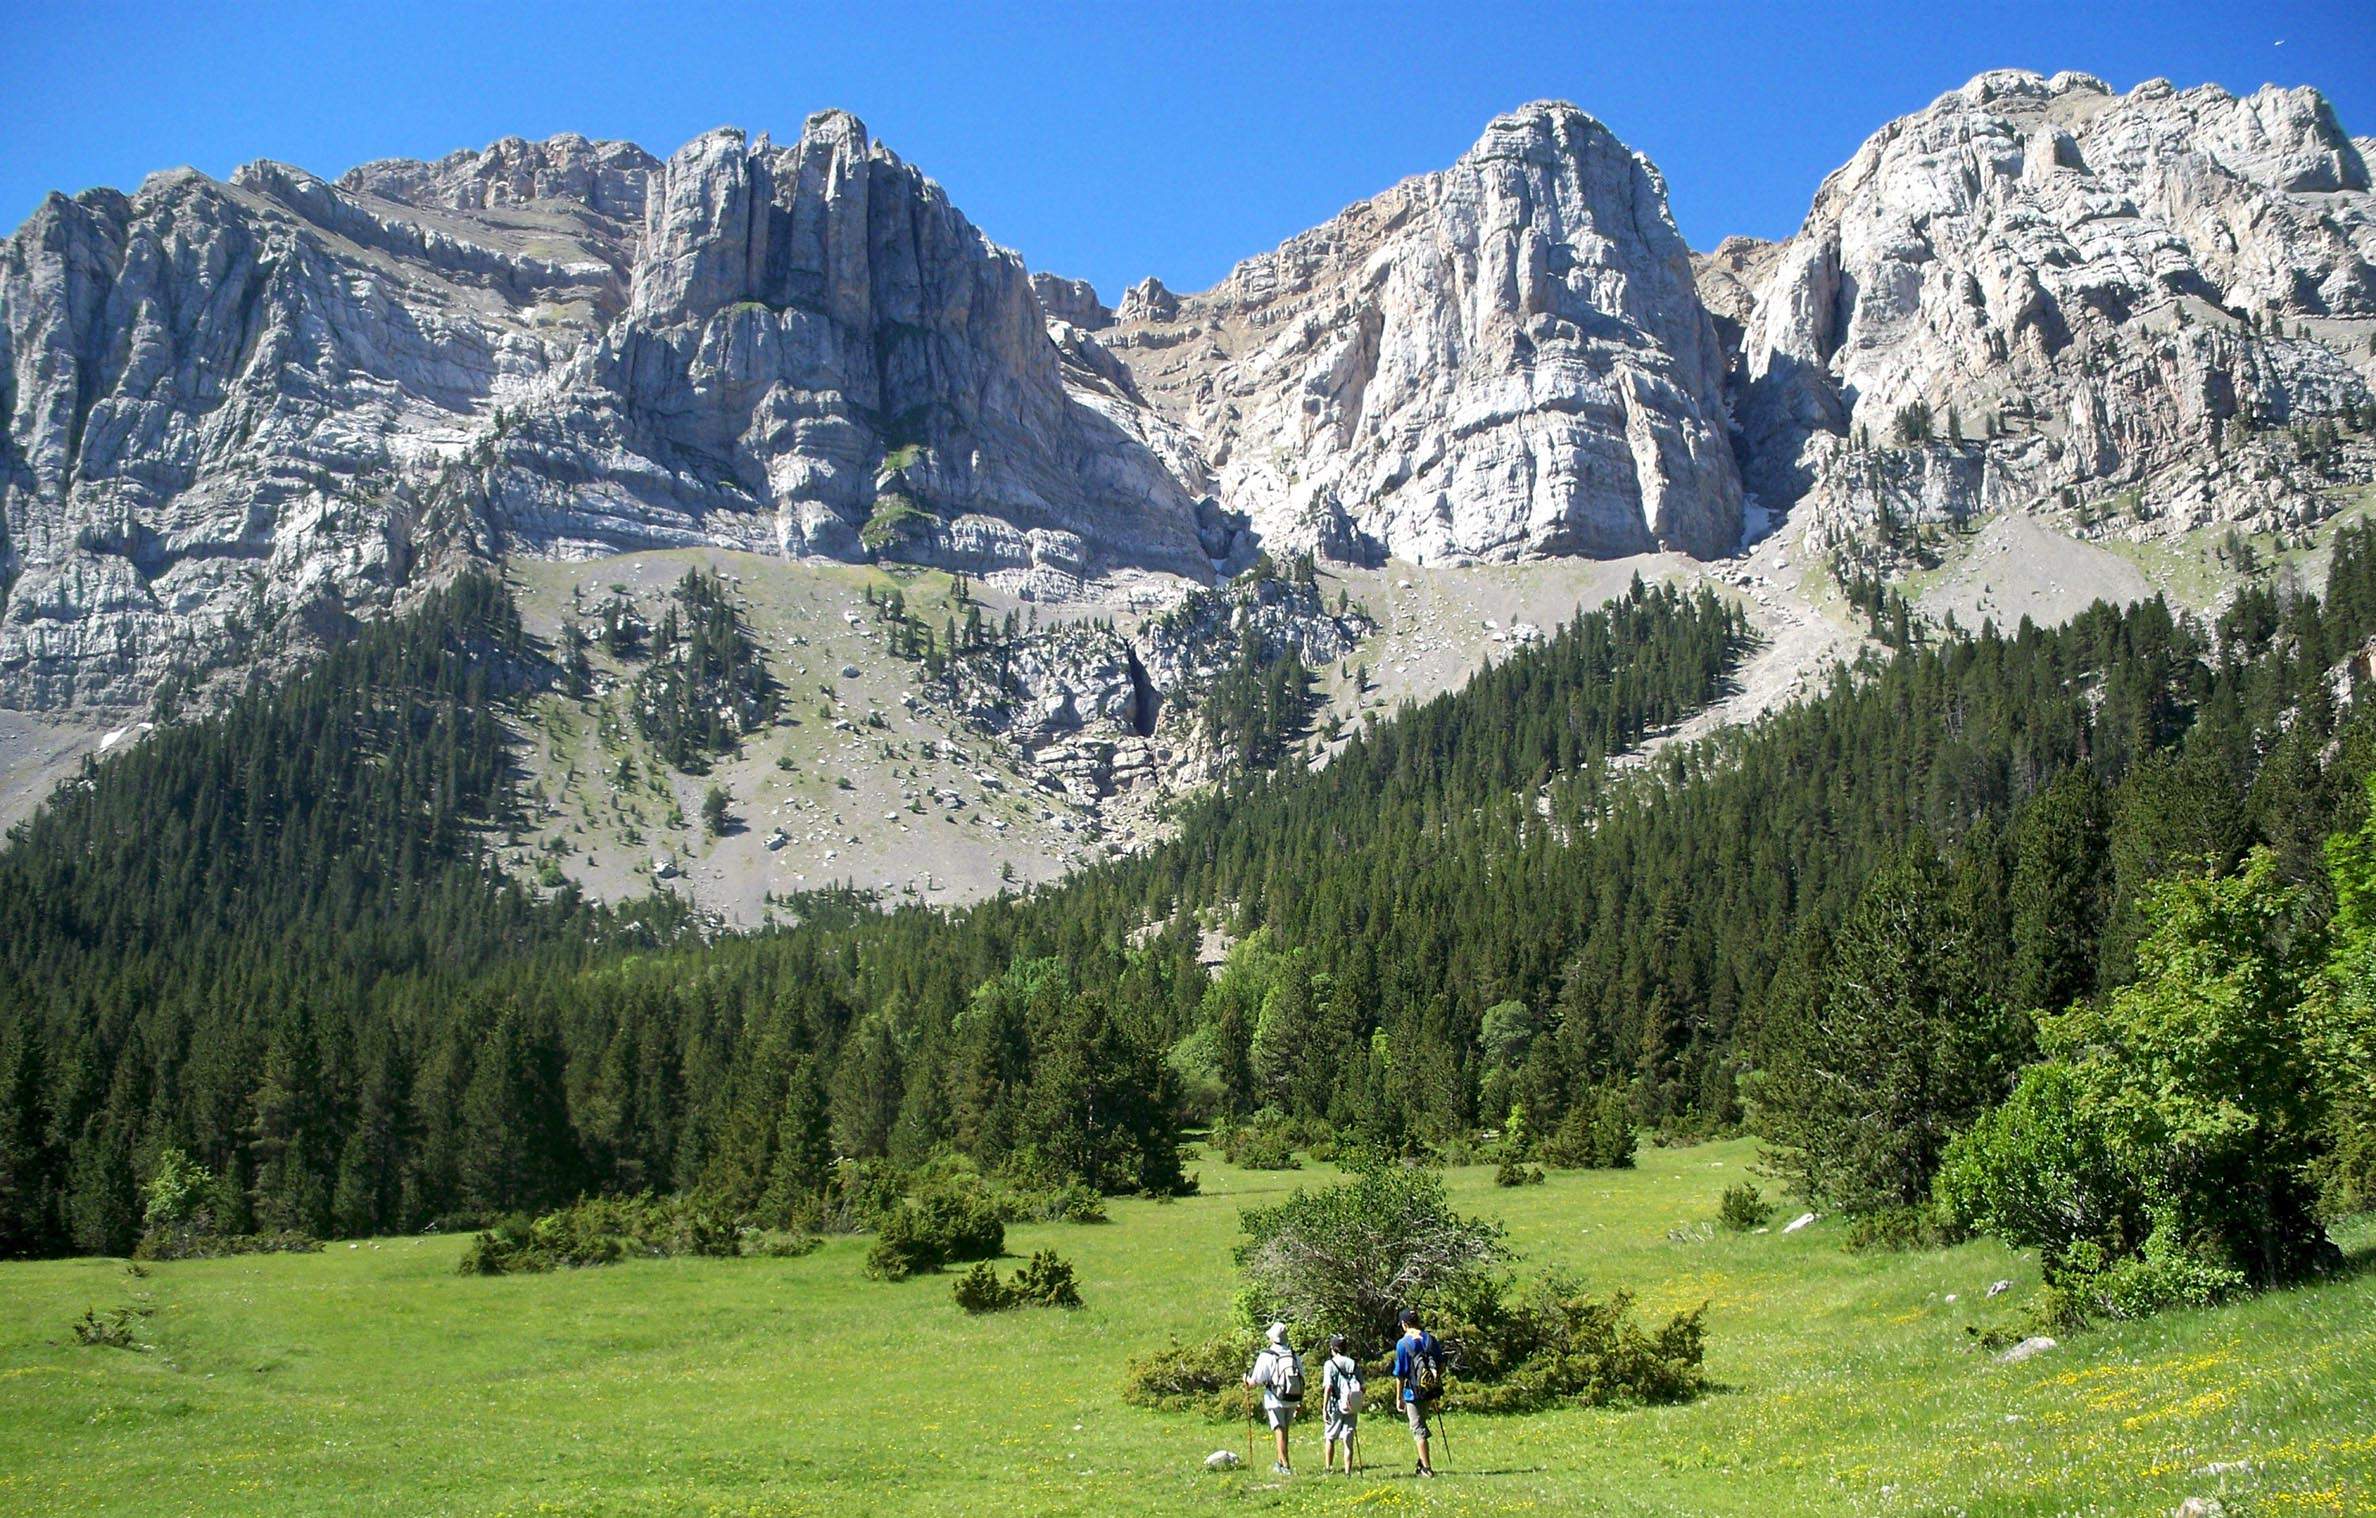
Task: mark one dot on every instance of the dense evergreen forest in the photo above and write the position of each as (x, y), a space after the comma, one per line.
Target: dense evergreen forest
(270, 939)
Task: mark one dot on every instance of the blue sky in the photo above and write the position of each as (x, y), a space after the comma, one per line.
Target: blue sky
(1104, 141)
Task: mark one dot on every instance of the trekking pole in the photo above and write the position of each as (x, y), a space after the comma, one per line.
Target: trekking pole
(1439, 1428)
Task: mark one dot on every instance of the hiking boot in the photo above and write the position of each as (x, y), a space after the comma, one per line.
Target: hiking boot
(1280, 1470)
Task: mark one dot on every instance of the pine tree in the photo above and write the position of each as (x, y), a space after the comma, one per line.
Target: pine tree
(1892, 1055)
(28, 1183)
(2057, 892)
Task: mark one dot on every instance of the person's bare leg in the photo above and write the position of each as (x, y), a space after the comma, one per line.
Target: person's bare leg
(1280, 1434)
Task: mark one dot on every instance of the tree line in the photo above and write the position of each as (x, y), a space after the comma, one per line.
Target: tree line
(272, 940)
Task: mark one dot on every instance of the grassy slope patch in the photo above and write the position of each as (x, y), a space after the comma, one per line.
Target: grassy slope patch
(373, 1379)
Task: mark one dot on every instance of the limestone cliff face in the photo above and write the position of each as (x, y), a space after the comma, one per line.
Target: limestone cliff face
(822, 355)
(1096, 710)
(1502, 360)
(235, 415)
(607, 179)
(235, 410)
(220, 399)
(2088, 289)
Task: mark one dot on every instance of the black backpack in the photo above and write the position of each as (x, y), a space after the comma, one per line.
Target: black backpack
(1427, 1369)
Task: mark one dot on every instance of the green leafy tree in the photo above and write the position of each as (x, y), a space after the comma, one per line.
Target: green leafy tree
(178, 1188)
(2343, 1027)
(1349, 1258)
(2175, 1125)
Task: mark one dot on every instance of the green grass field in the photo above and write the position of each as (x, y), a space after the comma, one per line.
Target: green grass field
(372, 1379)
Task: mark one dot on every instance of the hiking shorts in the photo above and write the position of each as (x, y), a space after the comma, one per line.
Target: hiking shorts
(1280, 1414)
(1416, 1411)
(1336, 1425)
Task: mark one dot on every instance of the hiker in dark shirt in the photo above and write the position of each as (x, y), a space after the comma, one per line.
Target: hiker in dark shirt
(1418, 1381)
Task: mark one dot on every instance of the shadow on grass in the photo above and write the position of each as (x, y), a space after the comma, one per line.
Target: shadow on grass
(2359, 1258)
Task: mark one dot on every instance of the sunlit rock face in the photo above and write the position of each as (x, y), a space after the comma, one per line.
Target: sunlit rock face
(237, 408)
(2085, 288)
(1503, 360)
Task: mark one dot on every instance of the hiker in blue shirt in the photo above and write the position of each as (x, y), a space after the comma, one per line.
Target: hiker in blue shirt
(1418, 1381)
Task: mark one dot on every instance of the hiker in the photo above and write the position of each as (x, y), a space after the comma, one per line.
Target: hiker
(1418, 1381)
(1278, 1370)
(1340, 1404)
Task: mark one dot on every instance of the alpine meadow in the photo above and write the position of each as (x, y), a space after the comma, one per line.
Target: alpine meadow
(680, 841)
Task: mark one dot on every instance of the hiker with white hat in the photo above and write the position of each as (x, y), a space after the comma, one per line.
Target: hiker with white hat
(1340, 1403)
(1278, 1372)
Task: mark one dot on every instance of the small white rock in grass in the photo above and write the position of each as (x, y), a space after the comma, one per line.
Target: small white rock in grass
(1223, 1460)
(1999, 1288)
(1799, 1222)
(1950, 1296)
(2200, 1507)
(2027, 1349)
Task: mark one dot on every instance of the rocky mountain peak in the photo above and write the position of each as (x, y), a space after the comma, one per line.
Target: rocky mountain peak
(1072, 301)
(837, 131)
(235, 408)
(822, 355)
(1148, 300)
(1500, 360)
(606, 177)
(2076, 291)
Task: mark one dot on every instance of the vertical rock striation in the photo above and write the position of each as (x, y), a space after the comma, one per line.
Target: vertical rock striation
(2086, 289)
(1506, 359)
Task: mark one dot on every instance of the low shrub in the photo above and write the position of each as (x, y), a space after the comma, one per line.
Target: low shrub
(1520, 1348)
(859, 1195)
(774, 1244)
(1897, 1229)
(980, 1290)
(1511, 1172)
(1046, 1280)
(117, 1328)
(599, 1231)
(199, 1243)
(1207, 1378)
(521, 1245)
(1743, 1208)
(1458, 1151)
(2090, 1287)
(1509, 1348)
(939, 1226)
(1077, 1204)
(1265, 1144)
(1072, 1202)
